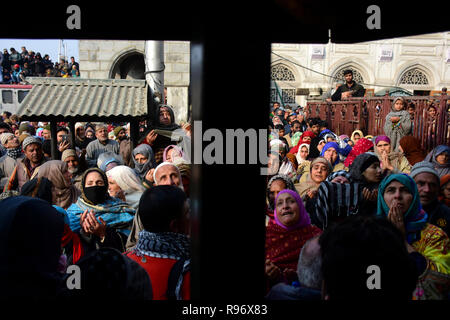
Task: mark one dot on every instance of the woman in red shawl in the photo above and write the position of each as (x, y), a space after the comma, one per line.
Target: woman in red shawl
(411, 148)
(306, 137)
(363, 145)
(286, 237)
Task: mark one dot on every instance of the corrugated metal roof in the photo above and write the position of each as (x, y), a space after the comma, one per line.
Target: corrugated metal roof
(84, 97)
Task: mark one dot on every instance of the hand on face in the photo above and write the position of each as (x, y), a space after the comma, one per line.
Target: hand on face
(396, 217)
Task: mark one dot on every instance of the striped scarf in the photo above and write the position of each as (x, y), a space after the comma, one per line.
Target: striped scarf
(334, 201)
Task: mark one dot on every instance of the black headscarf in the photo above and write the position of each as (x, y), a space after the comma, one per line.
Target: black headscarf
(360, 164)
(100, 194)
(30, 248)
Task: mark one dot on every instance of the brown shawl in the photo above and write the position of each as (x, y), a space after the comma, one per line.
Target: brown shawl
(412, 149)
(64, 193)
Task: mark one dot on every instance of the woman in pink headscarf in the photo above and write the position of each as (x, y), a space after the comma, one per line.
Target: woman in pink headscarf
(391, 161)
(285, 236)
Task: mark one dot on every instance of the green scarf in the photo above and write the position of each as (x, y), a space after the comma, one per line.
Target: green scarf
(415, 218)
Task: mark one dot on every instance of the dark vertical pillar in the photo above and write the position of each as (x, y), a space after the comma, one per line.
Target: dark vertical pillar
(53, 135)
(72, 133)
(134, 133)
(230, 85)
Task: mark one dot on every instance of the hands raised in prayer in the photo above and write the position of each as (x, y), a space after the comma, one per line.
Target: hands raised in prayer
(90, 225)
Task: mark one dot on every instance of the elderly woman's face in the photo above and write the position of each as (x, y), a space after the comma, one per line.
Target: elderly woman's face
(288, 211)
(113, 187)
(373, 173)
(396, 194)
(319, 172)
(275, 188)
(273, 164)
(94, 179)
(331, 155)
(141, 159)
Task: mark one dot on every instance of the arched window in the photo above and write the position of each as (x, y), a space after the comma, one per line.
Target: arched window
(280, 72)
(414, 76)
(339, 76)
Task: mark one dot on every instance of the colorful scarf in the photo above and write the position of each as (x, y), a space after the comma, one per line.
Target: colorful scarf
(415, 218)
(362, 146)
(310, 134)
(168, 245)
(283, 247)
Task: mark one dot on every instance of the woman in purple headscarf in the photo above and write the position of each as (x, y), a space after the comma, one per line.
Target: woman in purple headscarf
(390, 161)
(285, 236)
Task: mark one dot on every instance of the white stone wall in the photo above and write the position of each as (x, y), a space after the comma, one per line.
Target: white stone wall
(430, 53)
(97, 59)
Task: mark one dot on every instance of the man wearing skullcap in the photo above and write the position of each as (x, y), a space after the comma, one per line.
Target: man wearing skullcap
(428, 185)
(27, 166)
(8, 161)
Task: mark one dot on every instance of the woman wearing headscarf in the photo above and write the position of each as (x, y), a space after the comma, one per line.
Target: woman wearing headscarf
(172, 152)
(390, 161)
(399, 202)
(286, 237)
(64, 192)
(277, 183)
(144, 161)
(397, 123)
(444, 194)
(320, 168)
(306, 137)
(125, 184)
(71, 243)
(366, 172)
(411, 149)
(30, 249)
(355, 136)
(363, 145)
(303, 163)
(331, 152)
(108, 160)
(99, 218)
(440, 157)
(288, 164)
(164, 120)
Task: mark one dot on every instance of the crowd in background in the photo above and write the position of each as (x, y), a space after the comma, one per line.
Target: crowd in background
(120, 214)
(341, 208)
(16, 66)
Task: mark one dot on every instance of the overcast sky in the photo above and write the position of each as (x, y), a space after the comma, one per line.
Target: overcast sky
(44, 46)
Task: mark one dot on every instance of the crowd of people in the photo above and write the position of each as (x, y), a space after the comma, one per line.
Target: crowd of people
(15, 66)
(340, 206)
(120, 214)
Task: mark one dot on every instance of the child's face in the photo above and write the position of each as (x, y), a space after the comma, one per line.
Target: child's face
(398, 105)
